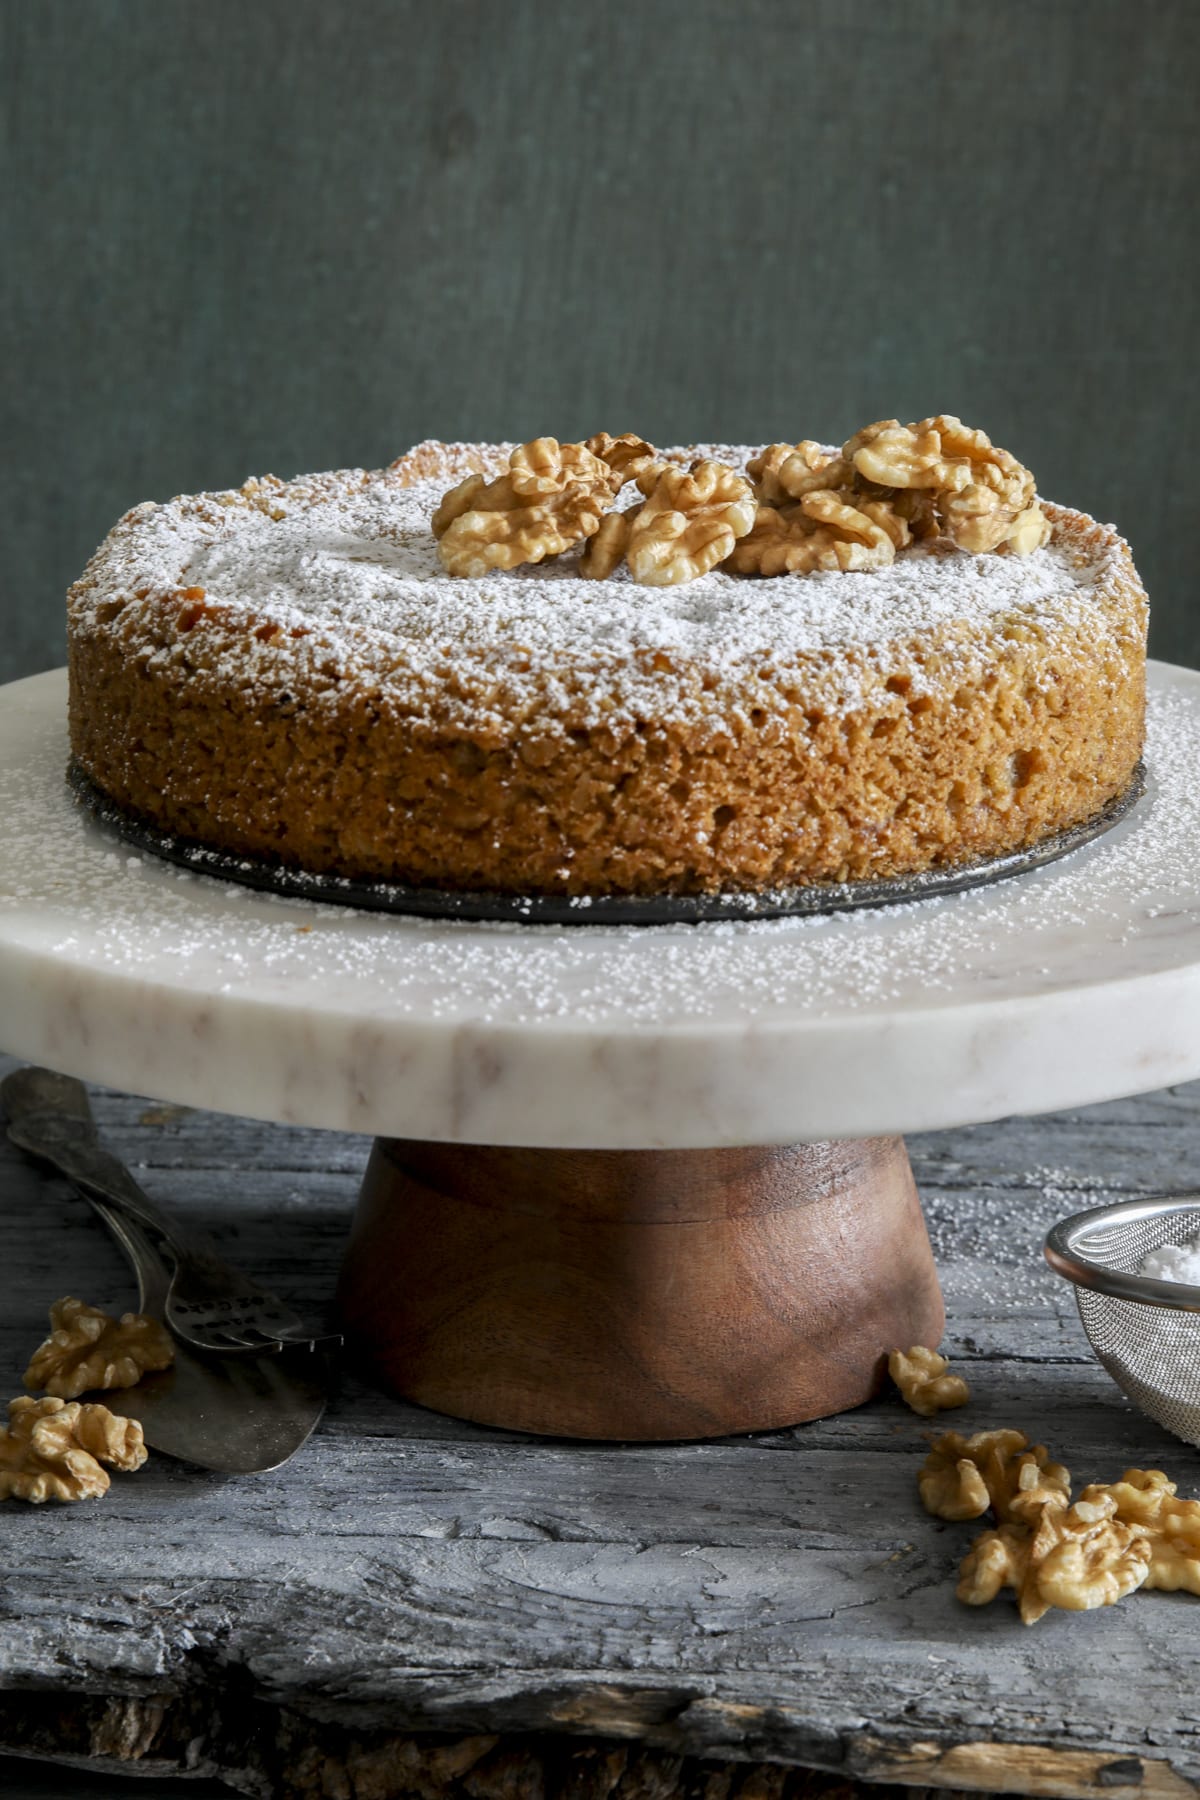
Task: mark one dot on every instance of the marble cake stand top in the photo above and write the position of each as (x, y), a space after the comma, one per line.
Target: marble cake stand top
(1074, 983)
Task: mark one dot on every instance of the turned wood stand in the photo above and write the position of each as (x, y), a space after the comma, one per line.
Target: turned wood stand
(638, 1294)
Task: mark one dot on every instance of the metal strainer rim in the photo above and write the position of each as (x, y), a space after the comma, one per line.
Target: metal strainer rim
(1066, 1250)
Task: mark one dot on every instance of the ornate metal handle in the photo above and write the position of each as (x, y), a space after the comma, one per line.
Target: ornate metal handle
(49, 1116)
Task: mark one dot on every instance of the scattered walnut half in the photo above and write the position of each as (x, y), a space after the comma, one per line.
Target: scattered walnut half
(53, 1449)
(551, 497)
(690, 521)
(1075, 1558)
(921, 1376)
(1028, 1483)
(1117, 1537)
(1146, 1500)
(951, 1483)
(87, 1349)
(997, 1559)
(957, 1478)
(961, 1477)
(1139, 1497)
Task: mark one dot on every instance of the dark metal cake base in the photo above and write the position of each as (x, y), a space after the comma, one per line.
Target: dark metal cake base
(594, 909)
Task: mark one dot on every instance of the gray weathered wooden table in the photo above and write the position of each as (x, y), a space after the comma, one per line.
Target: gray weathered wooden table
(593, 1620)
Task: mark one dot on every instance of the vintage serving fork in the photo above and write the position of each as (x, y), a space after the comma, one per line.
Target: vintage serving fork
(209, 1304)
(238, 1415)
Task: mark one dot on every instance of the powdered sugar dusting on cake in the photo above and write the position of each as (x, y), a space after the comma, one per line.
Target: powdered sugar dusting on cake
(346, 567)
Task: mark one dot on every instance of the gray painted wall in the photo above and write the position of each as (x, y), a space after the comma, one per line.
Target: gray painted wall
(242, 235)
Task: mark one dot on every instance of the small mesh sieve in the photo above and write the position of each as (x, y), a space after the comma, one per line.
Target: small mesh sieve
(1146, 1332)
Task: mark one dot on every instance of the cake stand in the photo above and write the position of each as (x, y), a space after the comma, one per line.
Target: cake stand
(628, 1182)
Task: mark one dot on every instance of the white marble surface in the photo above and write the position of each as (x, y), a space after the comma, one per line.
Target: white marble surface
(1076, 983)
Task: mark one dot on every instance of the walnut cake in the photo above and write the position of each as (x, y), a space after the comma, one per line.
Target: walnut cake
(600, 669)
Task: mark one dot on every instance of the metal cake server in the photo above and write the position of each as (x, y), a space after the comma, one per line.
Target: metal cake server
(238, 1415)
(209, 1304)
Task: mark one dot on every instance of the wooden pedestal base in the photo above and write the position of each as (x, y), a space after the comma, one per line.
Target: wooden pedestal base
(638, 1293)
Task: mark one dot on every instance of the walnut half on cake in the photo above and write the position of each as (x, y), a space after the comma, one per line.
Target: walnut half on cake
(288, 671)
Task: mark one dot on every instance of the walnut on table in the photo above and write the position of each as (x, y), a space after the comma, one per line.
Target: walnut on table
(963, 1476)
(1139, 1497)
(997, 1559)
(951, 1484)
(921, 1375)
(960, 1474)
(551, 497)
(54, 1449)
(88, 1349)
(1049, 1552)
(1075, 1558)
(1117, 1537)
(1146, 1500)
(1027, 1484)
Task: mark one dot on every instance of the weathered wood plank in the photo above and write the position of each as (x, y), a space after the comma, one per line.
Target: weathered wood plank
(778, 1598)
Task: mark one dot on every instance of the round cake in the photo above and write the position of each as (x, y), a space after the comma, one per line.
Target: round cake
(288, 671)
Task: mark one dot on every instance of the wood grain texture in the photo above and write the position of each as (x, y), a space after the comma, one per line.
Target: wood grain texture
(280, 1761)
(323, 233)
(778, 1599)
(638, 1294)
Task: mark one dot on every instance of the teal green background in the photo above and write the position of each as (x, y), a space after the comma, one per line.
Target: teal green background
(238, 237)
